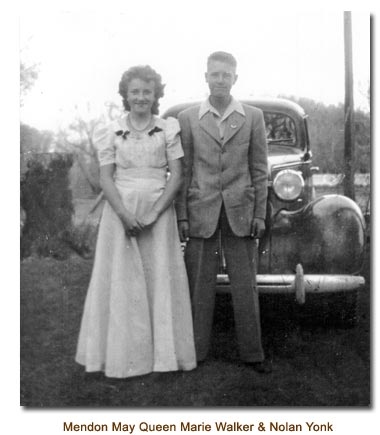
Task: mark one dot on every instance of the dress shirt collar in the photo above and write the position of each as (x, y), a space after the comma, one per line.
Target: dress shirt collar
(234, 106)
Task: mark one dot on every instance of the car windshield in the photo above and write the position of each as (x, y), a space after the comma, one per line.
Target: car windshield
(280, 128)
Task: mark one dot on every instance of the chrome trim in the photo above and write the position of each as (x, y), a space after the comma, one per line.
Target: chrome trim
(289, 165)
(299, 284)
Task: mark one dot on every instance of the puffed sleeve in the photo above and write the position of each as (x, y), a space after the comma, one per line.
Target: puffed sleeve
(104, 141)
(173, 142)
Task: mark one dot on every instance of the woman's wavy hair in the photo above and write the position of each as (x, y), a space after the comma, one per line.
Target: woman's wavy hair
(147, 74)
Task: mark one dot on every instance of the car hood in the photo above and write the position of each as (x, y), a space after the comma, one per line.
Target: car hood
(280, 155)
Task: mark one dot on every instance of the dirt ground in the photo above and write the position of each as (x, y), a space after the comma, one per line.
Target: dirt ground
(314, 363)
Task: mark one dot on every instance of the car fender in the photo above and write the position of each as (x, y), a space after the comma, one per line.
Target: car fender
(326, 236)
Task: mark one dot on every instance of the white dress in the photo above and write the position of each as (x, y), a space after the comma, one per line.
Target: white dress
(137, 314)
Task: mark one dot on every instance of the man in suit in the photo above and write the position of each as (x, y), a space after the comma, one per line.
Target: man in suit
(224, 193)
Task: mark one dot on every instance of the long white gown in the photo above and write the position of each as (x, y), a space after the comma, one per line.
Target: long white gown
(137, 314)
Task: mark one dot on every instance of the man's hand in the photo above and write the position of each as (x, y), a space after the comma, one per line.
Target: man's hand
(183, 229)
(258, 228)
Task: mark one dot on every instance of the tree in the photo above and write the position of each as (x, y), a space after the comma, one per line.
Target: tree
(28, 76)
(362, 142)
(35, 141)
(32, 141)
(326, 130)
(78, 139)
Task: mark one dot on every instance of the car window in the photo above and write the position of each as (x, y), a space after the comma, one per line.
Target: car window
(280, 128)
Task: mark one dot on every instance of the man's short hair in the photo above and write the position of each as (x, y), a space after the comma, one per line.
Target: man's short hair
(222, 56)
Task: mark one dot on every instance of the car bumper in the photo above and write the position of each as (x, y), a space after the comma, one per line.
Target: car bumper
(300, 284)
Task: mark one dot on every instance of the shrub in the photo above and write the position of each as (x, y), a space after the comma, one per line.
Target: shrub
(47, 202)
(82, 239)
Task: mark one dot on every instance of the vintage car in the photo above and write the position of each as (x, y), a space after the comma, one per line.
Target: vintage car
(313, 246)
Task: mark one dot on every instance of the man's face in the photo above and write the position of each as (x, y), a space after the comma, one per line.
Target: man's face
(220, 77)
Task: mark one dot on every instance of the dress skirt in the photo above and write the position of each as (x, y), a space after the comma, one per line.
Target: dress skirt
(137, 314)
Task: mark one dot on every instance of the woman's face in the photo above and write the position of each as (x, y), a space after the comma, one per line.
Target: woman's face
(140, 96)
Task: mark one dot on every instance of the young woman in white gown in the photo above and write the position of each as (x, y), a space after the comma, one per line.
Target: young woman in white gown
(137, 314)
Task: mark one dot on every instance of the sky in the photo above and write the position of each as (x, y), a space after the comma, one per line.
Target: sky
(82, 54)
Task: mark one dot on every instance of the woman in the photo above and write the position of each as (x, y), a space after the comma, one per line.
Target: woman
(137, 315)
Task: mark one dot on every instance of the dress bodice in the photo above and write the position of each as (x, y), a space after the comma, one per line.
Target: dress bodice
(118, 144)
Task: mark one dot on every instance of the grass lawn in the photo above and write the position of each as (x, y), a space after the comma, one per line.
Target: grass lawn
(313, 364)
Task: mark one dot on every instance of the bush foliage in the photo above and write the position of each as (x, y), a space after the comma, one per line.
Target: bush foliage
(326, 130)
(47, 202)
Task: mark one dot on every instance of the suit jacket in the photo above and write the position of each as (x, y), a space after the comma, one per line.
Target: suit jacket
(233, 171)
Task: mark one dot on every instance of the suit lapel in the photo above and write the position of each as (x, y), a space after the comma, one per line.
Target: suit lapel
(208, 124)
(233, 125)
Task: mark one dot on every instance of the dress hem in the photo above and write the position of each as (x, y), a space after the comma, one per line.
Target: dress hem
(110, 374)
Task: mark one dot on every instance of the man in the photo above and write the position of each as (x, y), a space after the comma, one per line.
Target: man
(224, 192)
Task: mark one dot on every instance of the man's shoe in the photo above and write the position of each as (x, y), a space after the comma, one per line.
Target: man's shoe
(261, 366)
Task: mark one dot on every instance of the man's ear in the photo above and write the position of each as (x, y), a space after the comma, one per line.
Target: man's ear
(206, 77)
(236, 77)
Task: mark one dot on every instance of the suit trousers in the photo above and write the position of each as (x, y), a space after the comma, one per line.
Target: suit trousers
(202, 259)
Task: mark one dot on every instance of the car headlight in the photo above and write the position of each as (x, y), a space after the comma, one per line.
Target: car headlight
(288, 185)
